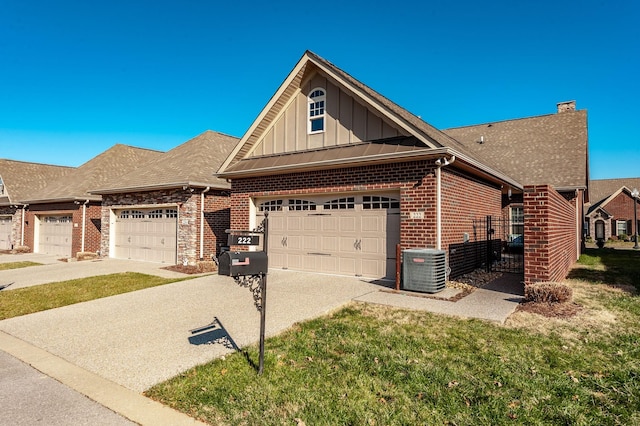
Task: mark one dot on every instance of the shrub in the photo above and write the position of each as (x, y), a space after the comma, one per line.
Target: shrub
(548, 293)
(623, 237)
(613, 238)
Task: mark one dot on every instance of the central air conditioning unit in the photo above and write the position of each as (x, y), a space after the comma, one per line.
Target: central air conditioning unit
(424, 270)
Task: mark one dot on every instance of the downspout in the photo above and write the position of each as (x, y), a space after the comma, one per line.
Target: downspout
(440, 162)
(24, 215)
(202, 221)
(84, 224)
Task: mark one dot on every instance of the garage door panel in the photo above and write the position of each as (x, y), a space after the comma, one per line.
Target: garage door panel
(294, 223)
(147, 235)
(349, 224)
(350, 239)
(311, 243)
(347, 244)
(295, 242)
(328, 264)
(373, 246)
(55, 235)
(329, 224)
(373, 268)
(331, 244)
(348, 266)
(5, 233)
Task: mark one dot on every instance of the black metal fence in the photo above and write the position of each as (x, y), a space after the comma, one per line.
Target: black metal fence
(491, 246)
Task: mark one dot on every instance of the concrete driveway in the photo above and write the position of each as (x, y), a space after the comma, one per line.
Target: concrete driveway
(114, 348)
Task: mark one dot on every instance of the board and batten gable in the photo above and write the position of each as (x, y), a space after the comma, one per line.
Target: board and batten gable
(347, 121)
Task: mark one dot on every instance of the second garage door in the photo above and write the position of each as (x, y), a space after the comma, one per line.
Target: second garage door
(146, 234)
(55, 235)
(354, 235)
(5, 232)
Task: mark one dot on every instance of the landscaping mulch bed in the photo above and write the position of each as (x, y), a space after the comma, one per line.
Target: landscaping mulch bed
(551, 310)
(200, 268)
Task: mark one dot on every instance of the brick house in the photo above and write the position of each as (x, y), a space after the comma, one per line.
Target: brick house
(345, 175)
(171, 209)
(611, 211)
(63, 218)
(18, 181)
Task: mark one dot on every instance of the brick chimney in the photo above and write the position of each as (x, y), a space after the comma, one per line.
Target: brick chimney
(566, 106)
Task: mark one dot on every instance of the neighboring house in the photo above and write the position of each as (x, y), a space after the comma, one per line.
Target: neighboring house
(611, 211)
(18, 181)
(172, 209)
(63, 218)
(345, 174)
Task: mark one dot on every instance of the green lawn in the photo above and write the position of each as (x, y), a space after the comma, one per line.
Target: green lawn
(373, 365)
(16, 265)
(28, 300)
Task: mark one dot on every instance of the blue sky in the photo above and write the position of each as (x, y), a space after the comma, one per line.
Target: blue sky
(77, 77)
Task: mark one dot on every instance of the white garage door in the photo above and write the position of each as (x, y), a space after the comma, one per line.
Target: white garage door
(5, 232)
(146, 234)
(354, 235)
(55, 235)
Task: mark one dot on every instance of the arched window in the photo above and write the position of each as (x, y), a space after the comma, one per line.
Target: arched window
(317, 100)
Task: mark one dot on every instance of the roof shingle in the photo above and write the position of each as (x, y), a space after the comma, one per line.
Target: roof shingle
(193, 164)
(23, 179)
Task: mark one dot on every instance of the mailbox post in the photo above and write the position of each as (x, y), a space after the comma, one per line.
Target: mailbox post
(249, 269)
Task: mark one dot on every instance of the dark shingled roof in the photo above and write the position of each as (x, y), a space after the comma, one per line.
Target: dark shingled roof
(110, 164)
(191, 164)
(599, 189)
(22, 179)
(547, 149)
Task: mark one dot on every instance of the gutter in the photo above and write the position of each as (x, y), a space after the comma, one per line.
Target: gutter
(202, 221)
(84, 223)
(173, 185)
(440, 162)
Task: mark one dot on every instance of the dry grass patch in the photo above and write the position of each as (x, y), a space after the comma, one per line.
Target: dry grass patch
(588, 314)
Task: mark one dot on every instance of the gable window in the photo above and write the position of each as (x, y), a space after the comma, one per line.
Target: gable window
(1, 187)
(317, 100)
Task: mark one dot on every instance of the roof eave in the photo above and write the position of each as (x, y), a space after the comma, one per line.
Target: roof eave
(477, 168)
(63, 199)
(160, 187)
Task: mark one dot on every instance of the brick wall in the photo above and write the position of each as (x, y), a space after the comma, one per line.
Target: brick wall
(216, 220)
(92, 218)
(551, 240)
(621, 208)
(463, 198)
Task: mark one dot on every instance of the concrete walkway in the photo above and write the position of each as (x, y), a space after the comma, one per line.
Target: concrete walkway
(114, 348)
(495, 302)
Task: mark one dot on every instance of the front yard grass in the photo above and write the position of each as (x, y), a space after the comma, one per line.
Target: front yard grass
(16, 265)
(27, 300)
(375, 365)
